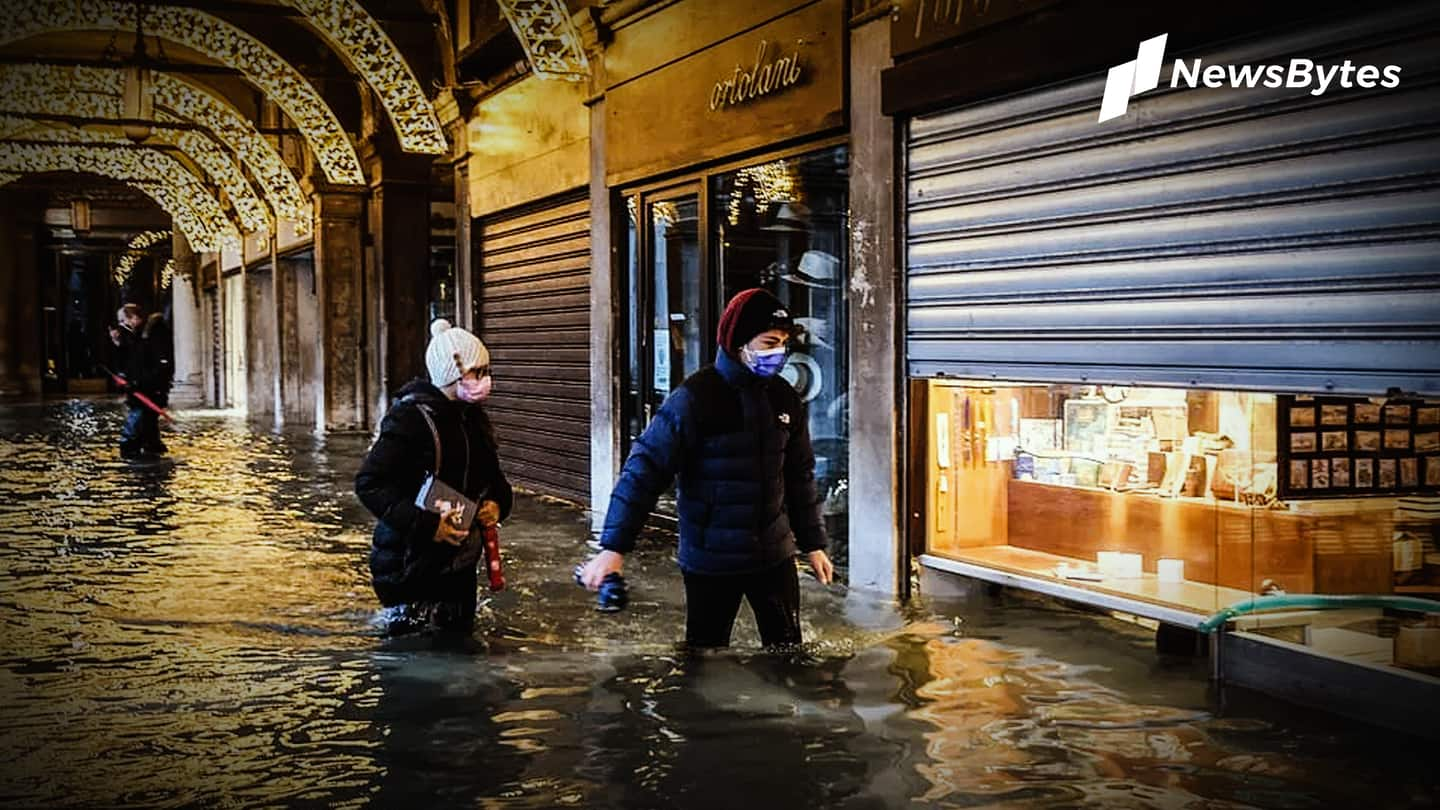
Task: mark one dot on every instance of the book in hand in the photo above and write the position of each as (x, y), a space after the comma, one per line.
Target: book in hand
(439, 497)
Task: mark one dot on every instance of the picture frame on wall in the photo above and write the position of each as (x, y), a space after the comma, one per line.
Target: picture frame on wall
(1299, 474)
(1335, 415)
(1340, 473)
(1387, 477)
(1397, 414)
(1334, 441)
(1427, 442)
(1367, 441)
(1367, 413)
(1397, 439)
(1432, 471)
(1302, 442)
(1410, 472)
(1364, 473)
(1302, 416)
(1429, 415)
(1320, 473)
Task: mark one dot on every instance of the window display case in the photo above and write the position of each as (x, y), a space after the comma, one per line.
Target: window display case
(1179, 497)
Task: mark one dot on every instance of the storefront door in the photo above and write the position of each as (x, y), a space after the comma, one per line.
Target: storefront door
(669, 313)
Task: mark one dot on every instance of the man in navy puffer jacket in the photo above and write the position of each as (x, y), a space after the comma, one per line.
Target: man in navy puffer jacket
(737, 438)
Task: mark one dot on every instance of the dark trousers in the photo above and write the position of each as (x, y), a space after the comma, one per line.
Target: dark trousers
(712, 602)
(141, 431)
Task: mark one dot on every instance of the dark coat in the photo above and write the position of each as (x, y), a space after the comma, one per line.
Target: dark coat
(406, 564)
(740, 445)
(145, 358)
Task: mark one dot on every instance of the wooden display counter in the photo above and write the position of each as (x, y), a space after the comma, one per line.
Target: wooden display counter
(1312, 547)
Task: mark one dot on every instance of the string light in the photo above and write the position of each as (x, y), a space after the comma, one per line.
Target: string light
(549, 38)
(351, 29)
(768, 183)
(135, 251)
(206, 154)
(195, 212)
(212, 37)
(95, 92)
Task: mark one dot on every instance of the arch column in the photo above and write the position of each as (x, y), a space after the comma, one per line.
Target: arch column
(343, 380)
(187, 328)
(20, 351)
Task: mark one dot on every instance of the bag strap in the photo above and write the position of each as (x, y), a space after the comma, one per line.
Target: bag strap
(434, 434)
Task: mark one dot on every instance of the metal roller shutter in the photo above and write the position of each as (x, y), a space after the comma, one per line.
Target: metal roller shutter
(533, 286)
(1251, 238)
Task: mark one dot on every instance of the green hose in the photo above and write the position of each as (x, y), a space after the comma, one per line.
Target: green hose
(1315, 600)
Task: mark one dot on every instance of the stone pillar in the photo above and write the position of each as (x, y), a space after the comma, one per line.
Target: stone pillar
(605, 458)
(190, 332)
(341, 378)
(877, 561)
(20, 348)
(399, 223)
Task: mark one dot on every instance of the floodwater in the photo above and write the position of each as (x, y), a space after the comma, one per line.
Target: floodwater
(202, 636)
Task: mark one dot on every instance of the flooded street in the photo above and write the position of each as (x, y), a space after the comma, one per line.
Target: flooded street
(203, 636)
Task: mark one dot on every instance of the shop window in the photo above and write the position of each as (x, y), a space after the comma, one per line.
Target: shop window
(1189, 499)
(781, 225)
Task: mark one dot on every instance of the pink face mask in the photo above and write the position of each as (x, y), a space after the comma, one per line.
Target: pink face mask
(471, 390)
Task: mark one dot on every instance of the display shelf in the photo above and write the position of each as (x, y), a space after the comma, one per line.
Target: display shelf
(1193, 596)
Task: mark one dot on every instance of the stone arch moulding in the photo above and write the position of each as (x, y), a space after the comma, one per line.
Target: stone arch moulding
(215, 38)
(371, 53)
(195, 211)
(197, 148)
(95, 92)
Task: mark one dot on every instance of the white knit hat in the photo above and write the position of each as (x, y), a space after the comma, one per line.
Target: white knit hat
(452, 352)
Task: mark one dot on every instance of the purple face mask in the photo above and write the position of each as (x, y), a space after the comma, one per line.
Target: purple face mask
(472, 390)
(766, 362)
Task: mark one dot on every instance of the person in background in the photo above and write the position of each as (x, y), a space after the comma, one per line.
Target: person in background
(145, 362)
(738, 439)
(423, 564)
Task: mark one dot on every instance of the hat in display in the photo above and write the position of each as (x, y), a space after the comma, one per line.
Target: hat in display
(803, 374)
(790, 217)
(817, 269)
(817, 331)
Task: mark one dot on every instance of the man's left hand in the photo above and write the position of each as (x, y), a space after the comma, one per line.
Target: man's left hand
(821, 565)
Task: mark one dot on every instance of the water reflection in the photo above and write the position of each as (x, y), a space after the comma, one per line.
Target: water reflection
(202, 635)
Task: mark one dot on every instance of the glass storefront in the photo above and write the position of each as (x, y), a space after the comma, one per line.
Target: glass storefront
(691, 245)
(1189, 499)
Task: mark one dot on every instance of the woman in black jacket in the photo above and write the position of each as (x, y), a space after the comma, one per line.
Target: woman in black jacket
(423, 564)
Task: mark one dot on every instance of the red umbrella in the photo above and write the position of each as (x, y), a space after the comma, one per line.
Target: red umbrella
(144, 400)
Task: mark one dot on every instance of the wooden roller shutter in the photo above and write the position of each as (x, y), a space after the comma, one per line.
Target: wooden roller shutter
(533, 288)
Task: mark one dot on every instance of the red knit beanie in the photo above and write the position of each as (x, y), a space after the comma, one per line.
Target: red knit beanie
(748, 314)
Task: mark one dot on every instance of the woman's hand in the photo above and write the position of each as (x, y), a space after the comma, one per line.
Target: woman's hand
(489, 513)
(821, 565)
(605, 563)
(450, 531)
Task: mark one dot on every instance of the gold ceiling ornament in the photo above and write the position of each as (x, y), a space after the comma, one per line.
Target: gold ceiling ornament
(167, 274)
(48, 88)
(216, 39)
(196, 213)
(372, 54)
(199, 149)
(135, 251)
(549, 38)
(6, 178)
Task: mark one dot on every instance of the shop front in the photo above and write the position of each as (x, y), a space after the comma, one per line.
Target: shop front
(1168, 363)
(745, 185)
